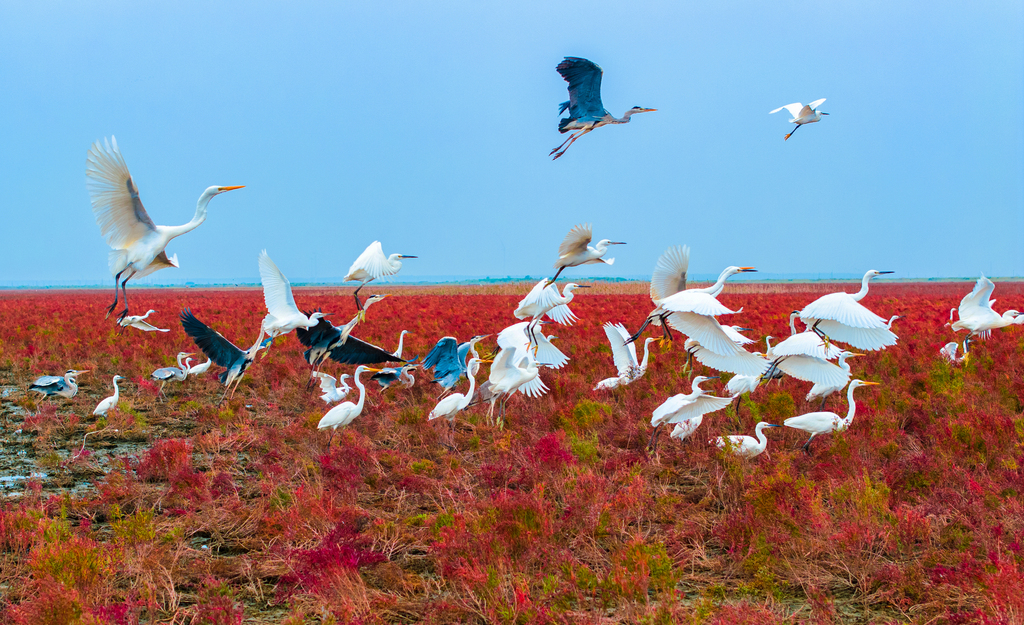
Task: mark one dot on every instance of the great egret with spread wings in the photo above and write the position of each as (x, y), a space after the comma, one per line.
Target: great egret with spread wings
(586, 112)
(802, 114)
(138, 243)
(373, 264)
(139, 322)
(576, 250)
(841, 317)
(283, 315)
(976, 314)
(624, 357)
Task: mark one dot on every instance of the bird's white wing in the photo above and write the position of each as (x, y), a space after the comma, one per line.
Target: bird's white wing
(806, 344)
(978, 297)
(502, 365)
(533, 388)
(737, 338)
(277, 291)
(814, 370)
(514, 337)
(147, 327)
(372, 261)
(695, 302)
(548, 354)
(843, 308)
(699, 407)
(667, 407)
(534, 298)
(327, 382)
(706, 330)
(794, 109)
(623, 354)
(561, 314)
(814, 105)
(114, 196)
(576, 241)
(670, 273)
(741, 363)
(861, 338)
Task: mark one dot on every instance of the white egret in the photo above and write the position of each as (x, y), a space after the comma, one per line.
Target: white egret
(138, 322)
(173, 374)
(576, 250)
(62, 386)
(740, 385)
(333, 390)
(684, 429)
(138, 243)
(741, 362)
(807, 368)
(746, 446)
(401, 341)
(822, 391)
(668, 279)
(624, 357)
(693, 313)
(200, 368)
(976, 314)
(841, 317)
(586, 112)
(806, 343)
(524, 335)
(513, 370)
(109, 403)
(283, 315)
(816, 423)
(544, 299)
(949, 350)
(222, 351)
(373, 264)
(345, 413)
(457, 402)
(683, 407)
(802, 114)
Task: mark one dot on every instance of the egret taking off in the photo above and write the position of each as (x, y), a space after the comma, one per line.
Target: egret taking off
(62, 386)
(585, 109)
(138, 243)
(343, 414)
(333, 390)
(139, 323)
(841, 317)
(815, 423)
(544, 299)
(109, 403)
(373, 264)
(283, 315)
(683, 407)
(576, 250)
(746, 446)
(802, 114)
(669, 278)
(976, 314)
(624, 357)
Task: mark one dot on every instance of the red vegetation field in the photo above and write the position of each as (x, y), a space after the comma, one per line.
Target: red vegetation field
(182, 511)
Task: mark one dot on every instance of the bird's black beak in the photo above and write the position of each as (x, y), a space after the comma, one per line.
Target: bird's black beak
(748, 270)
(404, 256)
(616, 243)
(582, 286)
(745, 330)
(822, 114)
(881, 272)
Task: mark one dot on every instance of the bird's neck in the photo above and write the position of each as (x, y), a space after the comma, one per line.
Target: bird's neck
(180, 365)
(647, 354)
(792, 324)
(472, 386)
(859, 295)
(762, 440)
(401, 340)
(625, 117)
(362, 392)
(117, 391)
(853, 408)
(717, 287)
(197, 219)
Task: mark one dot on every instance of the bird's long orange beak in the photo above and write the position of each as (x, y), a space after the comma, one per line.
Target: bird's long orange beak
(872, 383)
(241, 186)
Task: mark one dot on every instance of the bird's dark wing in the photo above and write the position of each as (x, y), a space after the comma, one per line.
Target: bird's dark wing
(323, 330)
(386, 377)
(444, 358)
(443, 351)
(216, 347)
(359, 352)
(584, 78)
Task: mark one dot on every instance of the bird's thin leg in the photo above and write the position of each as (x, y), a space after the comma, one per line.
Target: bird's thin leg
(823, 400)
(570, 137)
(359, 304)
(633, 338)
(330, 438)
(791, 134)
(807, 445)
(665, 328)
(162, 389)
(652, 443)
(739, 400)
(571, 141)
(124, 295)
(557, 273)
(116, 279)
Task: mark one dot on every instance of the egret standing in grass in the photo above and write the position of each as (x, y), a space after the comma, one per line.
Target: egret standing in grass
(333, 390)
(139, 323)
(802, 114)
(138, 243)
(62, 386)
(373, 264)
(173, 374)
(456, 402)
(345, 413)
(746, 446)
(586, 112)
(576, 250)
(109, 403)
(815, 423)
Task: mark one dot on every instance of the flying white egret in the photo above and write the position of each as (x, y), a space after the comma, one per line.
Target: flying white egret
(624, 357)
(802, 114)
(138, 243)
(373, 264)
(333, 390)
(448, 359)
(683, 407)
(109, 403)
(221, 351)
(513, 370)
(283, 315)
(841, 317)
(807, 368)
(746, 446)
(173, 374)
(544, 299)
(457, 402)
(949, 350)
(684, 429)
(62, 386)
(740, 362)
(345, 413)
(823, 391)
(586, 112)
(740, 385)
(138, 322)
(524, 335)
(806, 343)
(200, 368)
(668, 279)
(816, 423)
(976, 314)
(576, 250)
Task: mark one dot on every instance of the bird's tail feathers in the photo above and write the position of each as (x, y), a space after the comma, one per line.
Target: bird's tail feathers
(117, 260)
(565, 121)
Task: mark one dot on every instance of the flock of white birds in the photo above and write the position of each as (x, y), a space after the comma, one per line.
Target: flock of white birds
(138, 248)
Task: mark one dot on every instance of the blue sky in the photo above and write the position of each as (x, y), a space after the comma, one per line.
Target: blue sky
(429, 128)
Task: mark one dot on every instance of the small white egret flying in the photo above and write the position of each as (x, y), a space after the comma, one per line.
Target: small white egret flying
(62, 386)
(173, 374)
(576, 250)
(373, 264)
(138, 322)
(345, 413)
(624, 357)
(949, 350)
(816, 423)
(138, 243)
(807, 368)
(976, 314)
(513, 370)
(802, 114)
(526, 336)
(746, 446)
(333, 390)
(668, 279)
(683, 407)
(544, 299)
(822, 391)
(841, 317)
(283, 315)
(109, 403)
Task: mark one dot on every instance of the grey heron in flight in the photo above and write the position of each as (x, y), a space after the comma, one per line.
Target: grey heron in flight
(448, 359)
(585, 109)
(221, 351)
(324, 341)
(63, 386)
(138, 245)
(802, 114)
(403, 376)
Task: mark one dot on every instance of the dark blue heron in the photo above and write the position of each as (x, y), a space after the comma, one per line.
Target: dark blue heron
(448, 359)
(324, 340)
(221, 351)
(585, 109)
